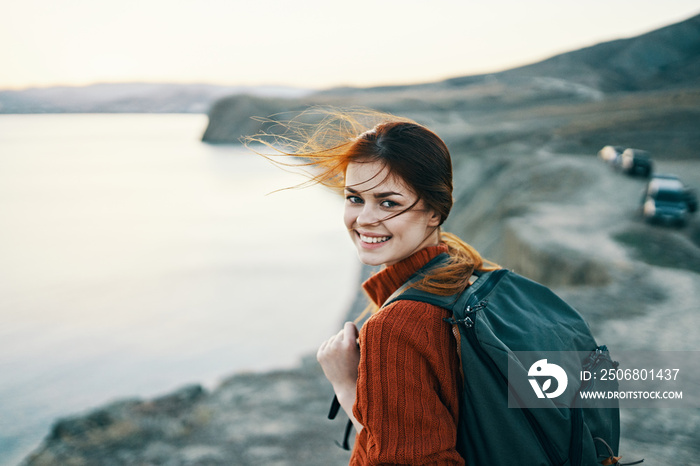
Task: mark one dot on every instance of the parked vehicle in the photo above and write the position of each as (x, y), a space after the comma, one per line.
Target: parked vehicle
(666, 206)
(665, 201)
(636, 162)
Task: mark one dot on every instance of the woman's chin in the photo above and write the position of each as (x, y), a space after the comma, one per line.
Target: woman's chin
(370, 262)
(369, 259)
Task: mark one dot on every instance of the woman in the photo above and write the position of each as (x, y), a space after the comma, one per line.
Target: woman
(398, 378)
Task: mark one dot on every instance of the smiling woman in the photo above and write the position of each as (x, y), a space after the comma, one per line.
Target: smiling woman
(396, 176)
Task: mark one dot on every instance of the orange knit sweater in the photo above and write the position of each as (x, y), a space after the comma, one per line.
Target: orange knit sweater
(407, 389)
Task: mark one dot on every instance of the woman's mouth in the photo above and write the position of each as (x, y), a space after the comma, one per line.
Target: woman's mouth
(373, 239)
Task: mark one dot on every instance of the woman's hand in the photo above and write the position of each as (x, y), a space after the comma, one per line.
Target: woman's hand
(339, 357)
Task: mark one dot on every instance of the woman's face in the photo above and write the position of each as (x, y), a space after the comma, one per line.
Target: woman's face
(371, 198)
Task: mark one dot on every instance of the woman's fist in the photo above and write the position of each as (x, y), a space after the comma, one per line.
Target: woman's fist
(339, 357)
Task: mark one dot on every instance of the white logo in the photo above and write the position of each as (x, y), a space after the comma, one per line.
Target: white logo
(541, 369)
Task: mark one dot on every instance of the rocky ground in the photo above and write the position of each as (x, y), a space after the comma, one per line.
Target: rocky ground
(565, 220)
(275, 418)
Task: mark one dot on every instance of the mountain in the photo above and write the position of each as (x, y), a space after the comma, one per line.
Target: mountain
(638, 91)
(665, 58)
(130, 98)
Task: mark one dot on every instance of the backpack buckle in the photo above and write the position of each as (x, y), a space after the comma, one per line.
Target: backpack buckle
(467, 321)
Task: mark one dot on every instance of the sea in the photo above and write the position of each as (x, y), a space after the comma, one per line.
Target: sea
(136, 259)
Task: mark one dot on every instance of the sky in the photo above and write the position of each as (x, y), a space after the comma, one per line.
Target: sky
(303, 43)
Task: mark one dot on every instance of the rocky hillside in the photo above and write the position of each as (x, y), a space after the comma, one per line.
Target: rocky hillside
(662, 59)
(601, 94)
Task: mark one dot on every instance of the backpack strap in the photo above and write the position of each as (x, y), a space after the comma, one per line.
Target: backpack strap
(335, 407)
(481, 284)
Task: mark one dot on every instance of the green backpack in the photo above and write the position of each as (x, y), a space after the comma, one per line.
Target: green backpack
(499, 316)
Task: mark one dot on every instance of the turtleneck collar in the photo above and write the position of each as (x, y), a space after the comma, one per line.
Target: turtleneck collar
(383, 284)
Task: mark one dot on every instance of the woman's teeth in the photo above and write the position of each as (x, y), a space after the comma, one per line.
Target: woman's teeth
(374, 239)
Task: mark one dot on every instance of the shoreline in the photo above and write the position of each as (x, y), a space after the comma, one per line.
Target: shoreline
(276, 416)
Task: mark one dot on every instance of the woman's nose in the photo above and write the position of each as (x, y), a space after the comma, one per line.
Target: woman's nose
(368, 216)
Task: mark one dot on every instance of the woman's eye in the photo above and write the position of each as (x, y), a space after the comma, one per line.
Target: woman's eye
(389, 204)
(354, 199)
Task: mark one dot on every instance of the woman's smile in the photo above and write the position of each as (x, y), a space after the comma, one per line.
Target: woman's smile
(372, 241)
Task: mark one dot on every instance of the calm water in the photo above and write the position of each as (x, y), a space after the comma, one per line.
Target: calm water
(135, 259)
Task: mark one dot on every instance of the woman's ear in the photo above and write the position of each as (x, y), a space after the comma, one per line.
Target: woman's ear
(435, 220)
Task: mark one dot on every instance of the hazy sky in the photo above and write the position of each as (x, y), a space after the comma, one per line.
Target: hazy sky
(306, 43)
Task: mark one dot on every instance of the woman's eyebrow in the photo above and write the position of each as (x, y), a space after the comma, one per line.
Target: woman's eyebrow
(376, 195)
(386, 194)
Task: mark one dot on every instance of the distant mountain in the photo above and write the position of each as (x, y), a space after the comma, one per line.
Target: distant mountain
(638, 92)
(665, 58)
(131, 98)
(661, 59)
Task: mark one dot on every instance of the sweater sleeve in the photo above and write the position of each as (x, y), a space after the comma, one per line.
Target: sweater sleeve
(407, 390)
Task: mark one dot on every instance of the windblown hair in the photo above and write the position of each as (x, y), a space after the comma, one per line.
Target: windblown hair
(325, 141)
